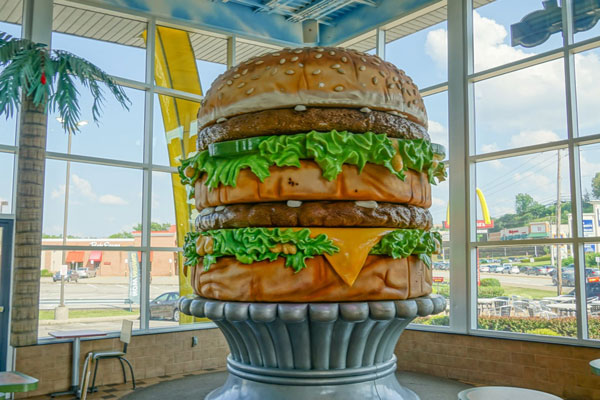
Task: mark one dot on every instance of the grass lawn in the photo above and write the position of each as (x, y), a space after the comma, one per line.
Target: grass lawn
(531, 293)
(89, 313)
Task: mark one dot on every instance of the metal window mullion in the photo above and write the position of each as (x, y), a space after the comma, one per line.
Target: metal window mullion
(380, 43)
(231, 51)
(574, 170)
(458, 152)
(147, 176)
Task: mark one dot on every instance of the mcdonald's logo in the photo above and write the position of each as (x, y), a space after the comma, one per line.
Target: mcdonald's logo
(484, 223)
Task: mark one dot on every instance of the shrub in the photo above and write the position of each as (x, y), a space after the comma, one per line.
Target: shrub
(561, 326)
(543, 331)
(542, 258)
(489, 282)
(437, 320)
(443, 290)
(490, 291)
(46, 273)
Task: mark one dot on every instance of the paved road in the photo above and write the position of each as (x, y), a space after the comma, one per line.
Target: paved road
(99, 288)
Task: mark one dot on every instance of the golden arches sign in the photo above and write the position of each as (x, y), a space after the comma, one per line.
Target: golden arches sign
(484, 209)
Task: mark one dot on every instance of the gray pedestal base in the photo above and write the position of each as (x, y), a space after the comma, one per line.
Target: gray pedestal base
(314, 350)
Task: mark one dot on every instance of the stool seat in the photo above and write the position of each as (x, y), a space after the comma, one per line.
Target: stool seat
(504, 393)
(13, 382)
(107, 354)
(595, 364)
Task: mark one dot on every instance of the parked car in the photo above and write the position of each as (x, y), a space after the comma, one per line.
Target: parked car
(537, 270)
(568, 278)
(165, 307)
(514, 269)
(72, 276)
(484, 268)
(497, 269)
(506, 269)
(86, 272)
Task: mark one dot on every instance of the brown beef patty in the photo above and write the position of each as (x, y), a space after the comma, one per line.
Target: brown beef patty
(315, 213)
(289, 121)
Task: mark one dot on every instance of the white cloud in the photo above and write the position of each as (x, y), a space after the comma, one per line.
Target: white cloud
(437, 202)
(528, 138)
(436, 47)
(488, 148)
(438, 133)
(111, 199)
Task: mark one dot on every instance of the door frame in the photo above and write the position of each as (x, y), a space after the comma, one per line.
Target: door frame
(5, 291)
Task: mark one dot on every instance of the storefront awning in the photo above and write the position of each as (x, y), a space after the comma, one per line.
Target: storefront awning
(95, 256)
(74, 257)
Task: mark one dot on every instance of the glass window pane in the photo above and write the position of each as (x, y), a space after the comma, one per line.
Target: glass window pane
(590, 187)
(427, 66)
(6, 182)
(587, 66)
(8, 125)
(107, 41)
(174, 129)
(118, 135)
(520, 196)
(517, 290)
(100, 288)
(164, 283)
(500, 24)
(208, 72)
(165, 224)
(103, 201)
(592, 288)
(585, 25)
(522, 108)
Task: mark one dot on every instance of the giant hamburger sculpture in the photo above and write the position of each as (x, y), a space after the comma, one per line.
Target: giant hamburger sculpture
(312, 181)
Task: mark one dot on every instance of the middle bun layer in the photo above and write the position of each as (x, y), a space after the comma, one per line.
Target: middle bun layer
(306, 183)
(315, 213)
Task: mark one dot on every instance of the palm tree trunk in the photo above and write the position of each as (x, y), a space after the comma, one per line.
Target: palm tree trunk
(28, 224)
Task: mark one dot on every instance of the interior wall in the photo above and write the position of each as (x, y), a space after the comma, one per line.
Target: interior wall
(558, 369)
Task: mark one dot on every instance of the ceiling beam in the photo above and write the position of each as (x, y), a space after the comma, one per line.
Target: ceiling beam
(364, 18)
(222, 17)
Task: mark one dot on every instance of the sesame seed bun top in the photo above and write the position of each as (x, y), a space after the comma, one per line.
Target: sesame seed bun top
(312, 77)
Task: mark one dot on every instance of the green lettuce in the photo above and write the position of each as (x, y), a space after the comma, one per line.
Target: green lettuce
(330, 150)
(402, 243)
(250, 245)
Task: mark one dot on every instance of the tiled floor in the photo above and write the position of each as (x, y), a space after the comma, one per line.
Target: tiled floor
(118, 390)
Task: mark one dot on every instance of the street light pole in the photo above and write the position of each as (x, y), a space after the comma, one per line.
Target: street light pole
(62, 312)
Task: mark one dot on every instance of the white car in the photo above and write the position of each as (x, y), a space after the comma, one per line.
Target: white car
(515, 270)
(484, 268)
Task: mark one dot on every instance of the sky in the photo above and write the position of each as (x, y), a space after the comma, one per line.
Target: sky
(512, 110)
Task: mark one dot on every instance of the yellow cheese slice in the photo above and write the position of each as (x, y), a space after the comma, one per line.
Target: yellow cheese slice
(354, 244)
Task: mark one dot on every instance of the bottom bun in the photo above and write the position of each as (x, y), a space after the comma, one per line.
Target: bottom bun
(381, 278)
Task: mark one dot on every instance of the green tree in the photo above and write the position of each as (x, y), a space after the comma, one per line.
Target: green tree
(120, 235)
(154, 226)
(596, 185)
(524, 202)
(38, 80)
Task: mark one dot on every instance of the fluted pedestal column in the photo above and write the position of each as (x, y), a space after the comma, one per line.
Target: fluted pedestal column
(312, 350)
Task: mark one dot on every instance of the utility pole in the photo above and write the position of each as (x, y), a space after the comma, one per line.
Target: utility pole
(558, 252)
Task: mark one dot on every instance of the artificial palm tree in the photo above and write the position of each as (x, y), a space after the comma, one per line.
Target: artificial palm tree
(38, 81)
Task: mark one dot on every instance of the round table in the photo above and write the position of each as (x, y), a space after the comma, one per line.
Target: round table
(504, 393)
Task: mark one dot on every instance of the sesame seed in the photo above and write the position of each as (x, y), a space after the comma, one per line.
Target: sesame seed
(301, 65)
(249, 91)
(382, 73)
(341, 71)
(298, 51)
(300, 107)
(222, 119)
(244, 72)
(320, 50)
(344, 59)
(229, 82)
(332, 53)
(338, 88)
(321, 84)
(334, 66)
(290, 72)
(275, 54)
(391, 86)
(363, 59)
(318, 55)
(374, 80)
(259, 62)
(254, 77)
(362, 68)
(274, 71)
(295, 58)
(282, 61)
(236, 76)
(316, 72)
(365, 110)
(241, 85)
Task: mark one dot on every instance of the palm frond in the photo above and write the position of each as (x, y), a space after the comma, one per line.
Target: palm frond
(11, 47)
